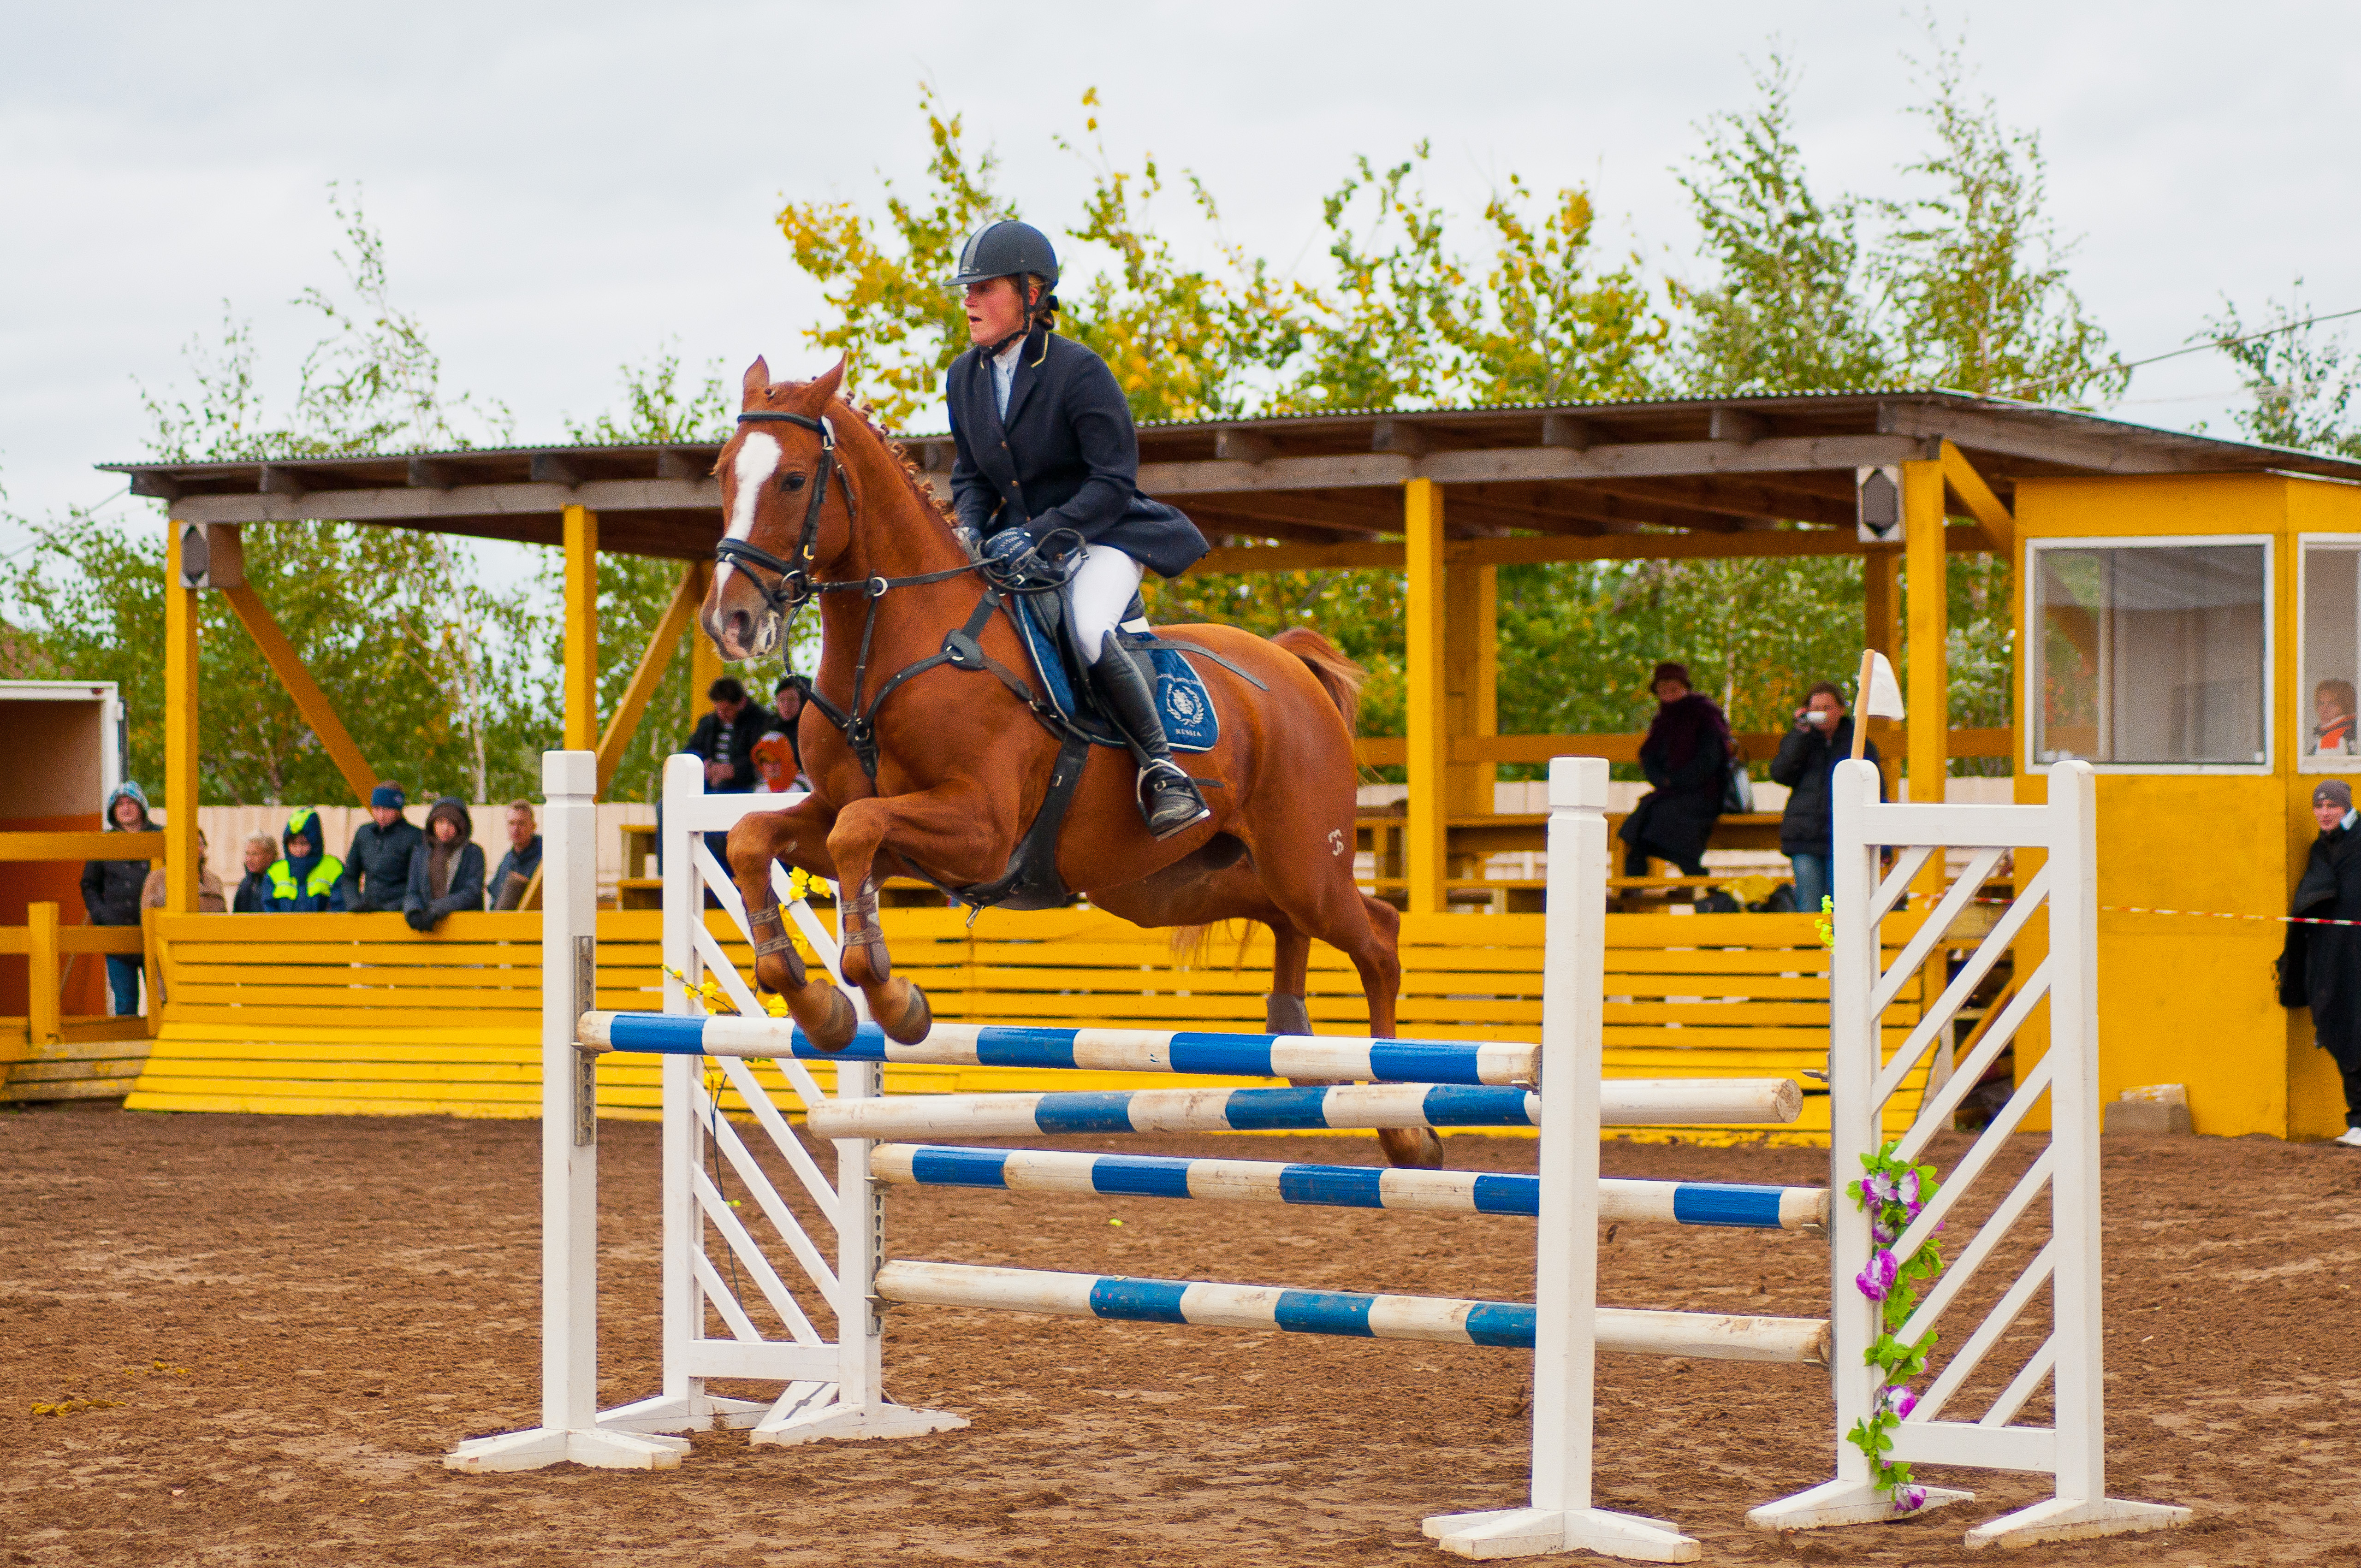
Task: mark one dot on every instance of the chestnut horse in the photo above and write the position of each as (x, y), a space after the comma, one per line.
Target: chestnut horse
(822, 506)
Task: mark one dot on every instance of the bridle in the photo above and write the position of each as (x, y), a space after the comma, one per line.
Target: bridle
(791, 583)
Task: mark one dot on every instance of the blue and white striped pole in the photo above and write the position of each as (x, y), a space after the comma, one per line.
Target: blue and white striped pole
(1440, 1319)
(1338, 1185)
(1622, 1101)
(1218, 1055)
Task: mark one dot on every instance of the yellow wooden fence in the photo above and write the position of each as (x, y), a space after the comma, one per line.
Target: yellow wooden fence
(358, 1015)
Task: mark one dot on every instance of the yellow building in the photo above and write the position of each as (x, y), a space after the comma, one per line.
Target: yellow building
(2203, 769)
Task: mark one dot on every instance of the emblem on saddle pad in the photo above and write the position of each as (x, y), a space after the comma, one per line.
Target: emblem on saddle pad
(1182, 702)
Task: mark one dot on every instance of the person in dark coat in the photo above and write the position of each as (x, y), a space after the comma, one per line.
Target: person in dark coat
(1686, 757)
(446, 873)
(1809, 755)
(725, 738)
(2321, 965)
(259, 853)
(111, 889)
(377, 867)
(1044, 444)
(514, 873)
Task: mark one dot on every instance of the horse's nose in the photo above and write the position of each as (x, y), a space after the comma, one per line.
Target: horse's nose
(738, 633)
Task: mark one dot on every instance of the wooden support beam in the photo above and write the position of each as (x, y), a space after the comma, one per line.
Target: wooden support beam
(1928, 695)
(1398, 436)
(1736, 426)
(1999, 526)
(683, 464)
(180, 739)
(680, 616)
(1429, 752)
(1471, 651)
(1393, 751)
(1881, 574)
(1815, 542)
(429, 473)
(1571, 432)
(310, 701)
(581, 674)
(556, 468)
(1242, 447)
(705, 666)
(43, 1007)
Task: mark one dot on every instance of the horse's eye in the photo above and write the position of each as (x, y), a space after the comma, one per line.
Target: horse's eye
(792, 481)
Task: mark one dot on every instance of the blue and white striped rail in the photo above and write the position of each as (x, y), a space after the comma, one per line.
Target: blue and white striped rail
(1442, 1319)
(1103, 1050)
(1338, 1185)
(1623, 1101)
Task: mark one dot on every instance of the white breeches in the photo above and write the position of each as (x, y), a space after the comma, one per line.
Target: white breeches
(1101, 592)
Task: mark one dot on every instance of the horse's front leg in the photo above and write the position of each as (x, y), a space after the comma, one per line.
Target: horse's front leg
(796, 837)
(949, 829)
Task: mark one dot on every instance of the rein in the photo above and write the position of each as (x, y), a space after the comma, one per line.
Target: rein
(792, 588)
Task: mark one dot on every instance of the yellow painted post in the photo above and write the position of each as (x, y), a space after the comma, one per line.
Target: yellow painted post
(705, 666)
(1430, 743)
(1928, 698)
(180, 735)
(581, 628)
(41, 1022)
(1471, 654)
(1880, 579)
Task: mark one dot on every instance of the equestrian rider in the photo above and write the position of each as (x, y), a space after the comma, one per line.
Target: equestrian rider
(1045, 441)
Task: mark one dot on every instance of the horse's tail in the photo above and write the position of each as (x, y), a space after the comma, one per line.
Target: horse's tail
(1339, 677)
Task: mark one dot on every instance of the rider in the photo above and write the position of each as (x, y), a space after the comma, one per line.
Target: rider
(1045, 441)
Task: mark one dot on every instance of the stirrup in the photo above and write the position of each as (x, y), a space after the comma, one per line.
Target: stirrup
(1176, 786)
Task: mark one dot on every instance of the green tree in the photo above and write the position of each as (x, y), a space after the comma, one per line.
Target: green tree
(2299, 378)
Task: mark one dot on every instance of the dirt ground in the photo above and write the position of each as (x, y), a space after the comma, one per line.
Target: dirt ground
(266, 1332)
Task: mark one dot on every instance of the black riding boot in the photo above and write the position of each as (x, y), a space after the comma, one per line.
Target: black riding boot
(1167, 797)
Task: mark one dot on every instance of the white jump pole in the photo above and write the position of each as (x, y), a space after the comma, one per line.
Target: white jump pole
(1562, 1517)
(569, 1429)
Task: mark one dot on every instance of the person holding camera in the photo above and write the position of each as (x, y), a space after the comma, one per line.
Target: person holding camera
(1808, 754)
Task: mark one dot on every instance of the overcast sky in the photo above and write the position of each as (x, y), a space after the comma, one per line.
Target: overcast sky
(565, 188)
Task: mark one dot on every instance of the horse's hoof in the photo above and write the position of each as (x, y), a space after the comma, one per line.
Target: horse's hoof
(831, 1024)
(908, 1023)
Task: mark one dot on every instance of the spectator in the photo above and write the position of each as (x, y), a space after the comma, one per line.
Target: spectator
(523, 859)
(377, 867)
(209, 887)
(446, 874)
(774, 764)
(2332, 712)
(1807, 757)
(111, 889)
(725, 738)
(788, 713)
(306, 882)
(2321, 966)
(1686, 757)
(253, 895)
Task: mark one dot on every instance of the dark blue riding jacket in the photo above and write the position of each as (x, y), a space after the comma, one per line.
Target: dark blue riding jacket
(1067, 456)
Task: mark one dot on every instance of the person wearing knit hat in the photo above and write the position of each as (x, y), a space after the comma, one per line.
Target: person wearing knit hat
(377, 867)
(2319, 968)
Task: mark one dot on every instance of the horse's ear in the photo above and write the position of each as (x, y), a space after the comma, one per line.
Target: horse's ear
(757, 383)
(819, 394)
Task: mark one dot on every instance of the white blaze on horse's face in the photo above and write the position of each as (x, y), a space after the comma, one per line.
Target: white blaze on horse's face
(757, 460)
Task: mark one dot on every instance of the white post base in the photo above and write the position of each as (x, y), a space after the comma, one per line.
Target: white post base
(2062, 1518)
(808, 1413)
(698, 1412)
(544, 1446)
(1537, 1532)
(1844, 1502)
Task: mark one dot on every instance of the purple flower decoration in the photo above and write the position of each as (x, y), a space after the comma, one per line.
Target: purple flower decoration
(1908, 1190)
(1881, 1233)
(1880, 1187)
(1901, 1401)
(1910, 1499)
(1878, 1279)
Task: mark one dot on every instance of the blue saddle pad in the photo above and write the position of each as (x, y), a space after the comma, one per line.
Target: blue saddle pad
(1190, 721)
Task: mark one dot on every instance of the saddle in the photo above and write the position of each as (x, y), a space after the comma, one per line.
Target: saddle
(1045, 625)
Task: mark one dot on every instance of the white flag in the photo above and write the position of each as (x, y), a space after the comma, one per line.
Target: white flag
(1881, 693)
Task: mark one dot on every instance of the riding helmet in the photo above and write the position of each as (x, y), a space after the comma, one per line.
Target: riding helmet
(1003, 249)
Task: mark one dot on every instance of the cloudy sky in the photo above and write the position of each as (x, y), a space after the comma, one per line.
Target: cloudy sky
(566, 188)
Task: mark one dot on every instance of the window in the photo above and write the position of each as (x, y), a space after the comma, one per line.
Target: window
(2153, 654)
(2331, 655)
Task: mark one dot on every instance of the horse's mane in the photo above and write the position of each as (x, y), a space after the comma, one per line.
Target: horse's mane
(913, 479)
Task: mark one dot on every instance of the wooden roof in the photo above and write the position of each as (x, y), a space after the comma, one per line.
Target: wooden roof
(1695, 477)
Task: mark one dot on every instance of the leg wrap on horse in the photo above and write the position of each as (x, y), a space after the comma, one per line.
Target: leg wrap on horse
(769, 927)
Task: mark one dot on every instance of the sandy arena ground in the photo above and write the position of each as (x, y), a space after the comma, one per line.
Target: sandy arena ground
(279, 1325)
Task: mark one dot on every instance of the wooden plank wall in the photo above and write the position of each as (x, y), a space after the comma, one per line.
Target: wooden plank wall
(356, 1014)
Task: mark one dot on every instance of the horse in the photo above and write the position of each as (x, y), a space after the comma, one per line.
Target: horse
(926, 765)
